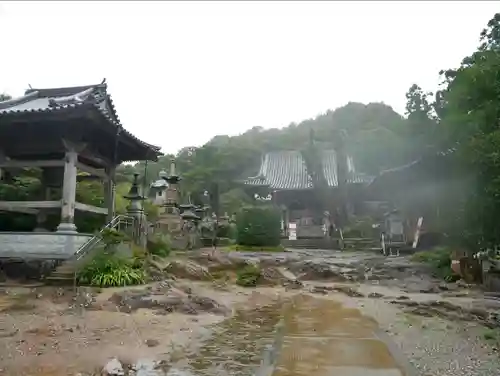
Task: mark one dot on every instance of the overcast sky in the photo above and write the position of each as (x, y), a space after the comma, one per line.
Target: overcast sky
(182, 72)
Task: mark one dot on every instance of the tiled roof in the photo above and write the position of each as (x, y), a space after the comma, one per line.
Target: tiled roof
(359, 178)
(407, 168)
(57, 99)
(287, 170)
(329, 163)
(283, 170)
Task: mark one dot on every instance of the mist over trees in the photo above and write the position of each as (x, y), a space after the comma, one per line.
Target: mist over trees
(463, 116)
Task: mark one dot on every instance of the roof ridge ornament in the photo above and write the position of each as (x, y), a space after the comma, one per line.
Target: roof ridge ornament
(72, 99)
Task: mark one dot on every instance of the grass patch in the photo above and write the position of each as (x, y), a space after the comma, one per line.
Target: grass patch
(110, 270)
(492, 335)
(440, 261)
(247, 248)
(248, 276)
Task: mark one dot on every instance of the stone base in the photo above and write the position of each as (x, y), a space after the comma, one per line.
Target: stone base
(66, 228)
(38, 246)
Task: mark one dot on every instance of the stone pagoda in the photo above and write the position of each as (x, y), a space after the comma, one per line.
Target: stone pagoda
(169, 219)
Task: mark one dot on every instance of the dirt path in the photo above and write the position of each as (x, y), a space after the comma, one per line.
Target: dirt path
(440, 331)
(346, 343)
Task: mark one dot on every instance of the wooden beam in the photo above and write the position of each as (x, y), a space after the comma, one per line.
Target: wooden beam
(22, 164)
(19, 210)
(90, 208)
(77, 147)
(10, 205)
(96, 157)
(99, 172)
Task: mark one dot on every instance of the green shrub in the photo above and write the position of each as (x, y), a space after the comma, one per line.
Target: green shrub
(259, 227)
(109, 270)
(111, 237)
(439, 259)
(223, 230)
(160, 246)
(139, 256)
(233, 231)
(248, 276)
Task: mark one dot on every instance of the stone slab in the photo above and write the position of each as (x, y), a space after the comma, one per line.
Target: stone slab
(36, 246)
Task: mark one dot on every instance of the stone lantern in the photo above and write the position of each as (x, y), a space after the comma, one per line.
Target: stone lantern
(136, 211)
(172, 194)
(158, 189)
(169, 219)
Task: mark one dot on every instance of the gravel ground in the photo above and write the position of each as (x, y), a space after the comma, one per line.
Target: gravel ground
(46, 334)
(433, 345)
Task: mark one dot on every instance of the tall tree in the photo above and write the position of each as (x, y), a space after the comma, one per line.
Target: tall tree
(421, 117)
(472, 111)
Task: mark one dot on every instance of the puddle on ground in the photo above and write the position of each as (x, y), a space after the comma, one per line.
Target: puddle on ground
(237, 344)
(320, 337)
(14, 303)
(323, 338)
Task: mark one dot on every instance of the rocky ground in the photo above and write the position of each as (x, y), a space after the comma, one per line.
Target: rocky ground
(188, 315)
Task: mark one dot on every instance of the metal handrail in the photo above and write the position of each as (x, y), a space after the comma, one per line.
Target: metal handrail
(96, 239)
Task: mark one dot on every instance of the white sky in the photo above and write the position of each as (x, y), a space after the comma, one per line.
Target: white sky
(182, 72)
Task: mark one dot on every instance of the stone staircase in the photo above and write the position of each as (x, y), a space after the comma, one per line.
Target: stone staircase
(65, 272)
(314, 243)
(362, 244)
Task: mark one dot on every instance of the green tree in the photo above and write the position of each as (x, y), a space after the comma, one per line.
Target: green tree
(470, 103)
(422, 119)
(259, 227)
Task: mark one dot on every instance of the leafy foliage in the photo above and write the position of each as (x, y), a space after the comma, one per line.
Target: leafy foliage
(248, 276)
(470, 122)
(259, 226)
(160, 245)
(439, 259)
(110, 270)
(377, 137)
(111, 237)
(463, 116)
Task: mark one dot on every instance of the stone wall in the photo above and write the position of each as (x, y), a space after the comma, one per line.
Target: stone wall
(37, 246)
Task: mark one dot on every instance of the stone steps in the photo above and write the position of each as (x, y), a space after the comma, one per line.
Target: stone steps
(362, 244)
(310, 244)
(63, 274)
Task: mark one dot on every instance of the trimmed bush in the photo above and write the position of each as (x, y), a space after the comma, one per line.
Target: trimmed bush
(259, 227)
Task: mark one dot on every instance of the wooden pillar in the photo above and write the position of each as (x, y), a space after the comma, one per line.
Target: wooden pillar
(110, 192)
(2, 159)
(67, 224)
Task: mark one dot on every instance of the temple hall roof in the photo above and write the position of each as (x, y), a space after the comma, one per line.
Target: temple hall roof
(67, 99)
(282, 170)
(287, 170)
